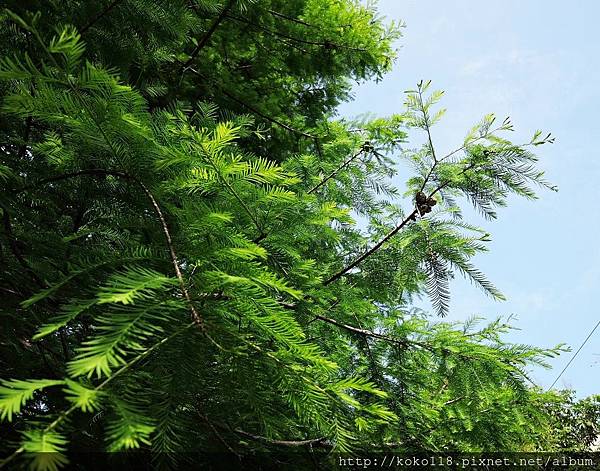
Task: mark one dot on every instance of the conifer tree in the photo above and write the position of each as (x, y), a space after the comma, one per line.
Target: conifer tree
(181, 265)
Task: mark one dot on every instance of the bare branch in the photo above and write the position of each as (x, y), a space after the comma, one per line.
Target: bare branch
(290, 443)
(452, 401)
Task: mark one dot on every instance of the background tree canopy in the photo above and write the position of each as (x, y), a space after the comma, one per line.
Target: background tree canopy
(182, 269)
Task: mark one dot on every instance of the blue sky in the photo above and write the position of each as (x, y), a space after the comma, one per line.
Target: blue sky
(537, 62)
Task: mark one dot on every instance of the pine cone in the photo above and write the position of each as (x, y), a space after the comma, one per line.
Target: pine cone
(421, 198)
(424, 209)
(431, 201)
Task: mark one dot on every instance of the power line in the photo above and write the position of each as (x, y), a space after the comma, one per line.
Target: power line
(575, 356)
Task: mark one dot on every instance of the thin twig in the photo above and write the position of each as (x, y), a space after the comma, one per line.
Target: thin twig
(290, 443)
(195, 315)
(64, 344)
(452, 401)
(100, 15)
(257, 112)
(268, 118)
(376, 372)
(428, 130)
(23, 147)
(98, 171)
(336, 171)
(289, 18)
(66, 176)
(325, 44)
(14, 247)
(427, 125)
(260, 438)
(363, 332)
(391, 234)
(236, 196)
(218, 20)
(218, 435)
(111, 378)
(371, 251)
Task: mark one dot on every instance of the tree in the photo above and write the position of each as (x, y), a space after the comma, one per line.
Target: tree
(576, 422)
(181, 265)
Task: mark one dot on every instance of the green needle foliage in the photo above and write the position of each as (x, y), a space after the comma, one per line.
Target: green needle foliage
(181, 266)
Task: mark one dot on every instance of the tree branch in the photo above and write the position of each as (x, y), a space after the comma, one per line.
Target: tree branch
(14, 248)
(65, 414)
(257, 112)
(391, 234)
(195, 315)
(268, 118)
(375, 370)
(427, 126)
(23, 147)
(218, 20)
(452, 401)
(258, 438)
(375, 335)
(236, 196)
(98, 171)
(427, 129)
(289, 443)
(336, 171)
(325, 44)
(289, 18)
(371, 251)
(101, 14)
(66, 176)
(218, 435)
